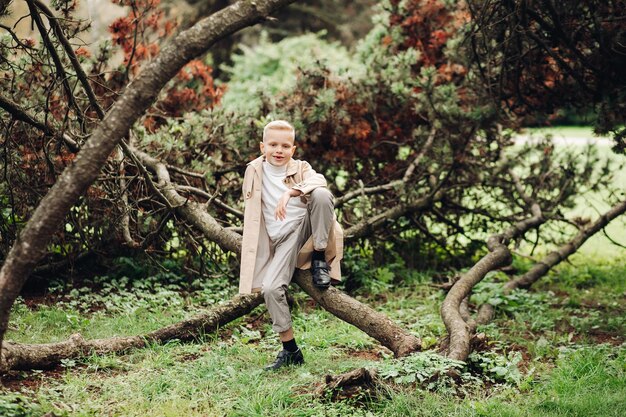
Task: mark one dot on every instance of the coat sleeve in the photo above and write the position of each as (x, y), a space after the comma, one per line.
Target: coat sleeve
(310, 179)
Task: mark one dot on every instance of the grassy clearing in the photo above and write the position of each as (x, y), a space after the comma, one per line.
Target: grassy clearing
(583, 133)
(557, 351)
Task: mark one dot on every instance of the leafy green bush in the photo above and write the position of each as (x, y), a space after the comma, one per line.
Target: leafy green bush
(428, 370)
(18, 405)
(517, 301)
(497, 368)
(263, 71)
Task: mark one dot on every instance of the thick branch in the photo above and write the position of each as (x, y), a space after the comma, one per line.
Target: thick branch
(499, 255)
(486, 312)
(21, 356)
(557, 256)
(190, 210)
(375, 324)
(211, 198)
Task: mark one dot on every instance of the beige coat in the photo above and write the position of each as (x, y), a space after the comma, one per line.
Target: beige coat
(256, 242)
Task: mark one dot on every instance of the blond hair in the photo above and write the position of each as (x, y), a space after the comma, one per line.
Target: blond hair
(279, 125)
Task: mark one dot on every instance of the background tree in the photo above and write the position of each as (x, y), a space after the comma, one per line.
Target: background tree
(540, 57)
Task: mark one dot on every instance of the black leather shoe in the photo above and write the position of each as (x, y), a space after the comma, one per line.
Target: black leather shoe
(286, 358)
(319, 270)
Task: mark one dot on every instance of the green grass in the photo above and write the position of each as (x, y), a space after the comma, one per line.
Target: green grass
(575, 132)
(566, 370)
(586, 382)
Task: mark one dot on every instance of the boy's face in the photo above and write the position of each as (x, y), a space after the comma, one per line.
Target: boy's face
(278, 147)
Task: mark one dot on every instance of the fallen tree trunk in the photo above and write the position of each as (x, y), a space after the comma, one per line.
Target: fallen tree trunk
(375, 324)
(41, 356)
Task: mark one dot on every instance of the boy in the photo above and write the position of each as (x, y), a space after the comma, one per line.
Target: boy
(289, 222)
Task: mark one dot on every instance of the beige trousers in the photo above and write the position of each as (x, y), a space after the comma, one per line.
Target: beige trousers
(281, 262)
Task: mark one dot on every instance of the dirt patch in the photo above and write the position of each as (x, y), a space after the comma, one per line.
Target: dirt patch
(594, 305)
(599, 336)
(35, 301)
(372, 354)
(29, 381)
(189, 357)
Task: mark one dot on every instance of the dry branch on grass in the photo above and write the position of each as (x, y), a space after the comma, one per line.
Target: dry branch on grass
(348, 385)
(41, 356)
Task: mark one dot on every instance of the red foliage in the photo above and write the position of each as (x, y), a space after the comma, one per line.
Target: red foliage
(193, 90)
(132, 32)
(372, 127)
(427, 25)
(82, 52)
(138, 34)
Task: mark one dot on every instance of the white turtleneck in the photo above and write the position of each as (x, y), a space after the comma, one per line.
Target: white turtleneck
(273, 188)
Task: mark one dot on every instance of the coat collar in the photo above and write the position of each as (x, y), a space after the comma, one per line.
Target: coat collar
(292, 166)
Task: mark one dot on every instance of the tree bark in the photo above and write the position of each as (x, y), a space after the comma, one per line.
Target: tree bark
(375, 324)
(459, 330)
(30, 246)
(40, 356)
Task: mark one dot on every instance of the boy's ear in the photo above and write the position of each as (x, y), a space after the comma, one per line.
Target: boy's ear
(261, 146)
(293, 150)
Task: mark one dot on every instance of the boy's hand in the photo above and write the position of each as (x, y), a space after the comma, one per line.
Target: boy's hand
(281, 206)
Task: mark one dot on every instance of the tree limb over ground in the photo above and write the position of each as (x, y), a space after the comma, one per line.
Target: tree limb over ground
(41, 356)
(461, 326)
(499, 255)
